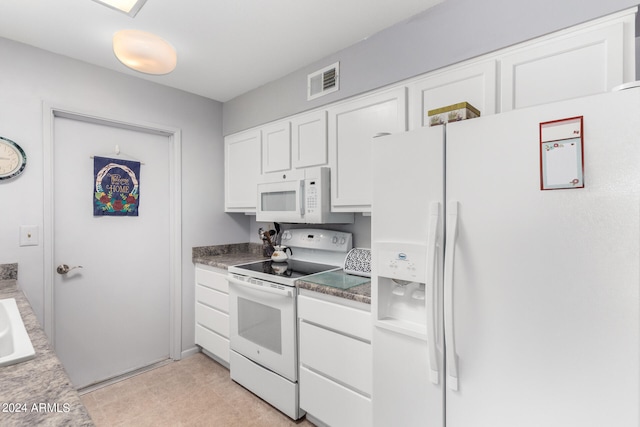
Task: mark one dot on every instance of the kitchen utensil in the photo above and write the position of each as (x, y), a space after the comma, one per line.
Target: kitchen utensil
(277, 227)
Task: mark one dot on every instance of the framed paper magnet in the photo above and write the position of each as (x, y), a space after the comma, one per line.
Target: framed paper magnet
(561, 154)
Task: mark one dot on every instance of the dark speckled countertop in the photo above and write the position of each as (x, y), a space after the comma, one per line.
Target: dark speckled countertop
(222, 256)
(37, 391)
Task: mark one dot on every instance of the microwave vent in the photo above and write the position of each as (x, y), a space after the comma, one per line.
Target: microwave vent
(323, 82)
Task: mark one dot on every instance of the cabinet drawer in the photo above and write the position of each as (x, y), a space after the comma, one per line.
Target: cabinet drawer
(213, 319)
(332, 403)
(345, 359)
(212, 298)
(351, 321)
(212, 342)
(212, 280)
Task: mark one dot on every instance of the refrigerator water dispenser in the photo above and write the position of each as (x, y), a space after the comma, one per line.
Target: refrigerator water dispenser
(399, 283)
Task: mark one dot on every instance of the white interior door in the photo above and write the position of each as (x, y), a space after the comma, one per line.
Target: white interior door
(545, 283)
(113, 315)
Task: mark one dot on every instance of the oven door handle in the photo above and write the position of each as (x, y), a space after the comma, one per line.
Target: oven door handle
(268, 289)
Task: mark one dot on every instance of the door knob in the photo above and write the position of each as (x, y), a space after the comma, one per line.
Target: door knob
(64, 268)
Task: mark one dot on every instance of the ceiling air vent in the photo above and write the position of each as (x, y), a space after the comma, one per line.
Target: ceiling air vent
(323, 81)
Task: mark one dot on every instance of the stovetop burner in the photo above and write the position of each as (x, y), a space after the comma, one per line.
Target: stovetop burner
(315, 250)
(291, 268)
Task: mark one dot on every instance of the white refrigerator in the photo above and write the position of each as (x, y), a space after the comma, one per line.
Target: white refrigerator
(500, 297)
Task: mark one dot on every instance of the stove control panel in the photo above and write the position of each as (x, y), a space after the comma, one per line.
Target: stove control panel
(311, 238)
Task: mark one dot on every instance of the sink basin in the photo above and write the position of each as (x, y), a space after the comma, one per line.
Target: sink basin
(15, 344)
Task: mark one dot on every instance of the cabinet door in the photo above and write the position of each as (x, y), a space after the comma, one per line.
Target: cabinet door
(352, 127)
(211, 311)
(309, 139)
(351, 366)
(276, 147)
(332, 403)
(475, 84)
(570, 67)
(242, 168)
(212, 277)
(335, 357)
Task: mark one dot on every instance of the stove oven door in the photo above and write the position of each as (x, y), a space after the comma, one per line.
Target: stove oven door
(262, 324)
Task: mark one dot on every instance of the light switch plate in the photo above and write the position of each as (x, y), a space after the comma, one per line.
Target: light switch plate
(29, 235)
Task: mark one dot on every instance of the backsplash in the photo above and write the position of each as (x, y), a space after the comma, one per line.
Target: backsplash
(361, 229)
(9, 271)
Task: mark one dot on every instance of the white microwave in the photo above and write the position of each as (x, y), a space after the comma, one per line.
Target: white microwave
(298, 196)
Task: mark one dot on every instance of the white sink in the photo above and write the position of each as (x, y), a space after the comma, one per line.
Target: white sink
(15, 344)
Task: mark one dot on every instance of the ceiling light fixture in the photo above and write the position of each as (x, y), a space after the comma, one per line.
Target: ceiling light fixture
(130, 7)
(144, 52)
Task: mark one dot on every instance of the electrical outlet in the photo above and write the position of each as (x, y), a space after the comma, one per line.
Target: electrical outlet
(29, 235)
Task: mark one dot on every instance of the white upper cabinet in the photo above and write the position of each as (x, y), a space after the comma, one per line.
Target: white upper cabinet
(475, 84)
(309, 139)
(242, 167)
(583, 60)
(276, 147)
(576, 64)
(352, 127)
(296, 143)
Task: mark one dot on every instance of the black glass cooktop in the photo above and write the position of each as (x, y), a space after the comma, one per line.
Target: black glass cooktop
(290, 268)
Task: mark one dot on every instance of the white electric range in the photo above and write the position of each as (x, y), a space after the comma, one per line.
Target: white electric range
(262, 314)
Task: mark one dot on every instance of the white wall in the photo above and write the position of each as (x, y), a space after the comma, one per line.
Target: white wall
(29, 76)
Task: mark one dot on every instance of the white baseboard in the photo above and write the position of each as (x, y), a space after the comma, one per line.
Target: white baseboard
(190, 352)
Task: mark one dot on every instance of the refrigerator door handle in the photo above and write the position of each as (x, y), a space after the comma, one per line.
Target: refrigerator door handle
(434, 216)
(452, 234)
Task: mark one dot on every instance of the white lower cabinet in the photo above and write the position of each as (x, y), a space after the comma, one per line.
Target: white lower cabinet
(212, 312)
(335, 359)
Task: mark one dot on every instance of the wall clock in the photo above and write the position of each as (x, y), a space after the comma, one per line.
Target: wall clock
(12, 159)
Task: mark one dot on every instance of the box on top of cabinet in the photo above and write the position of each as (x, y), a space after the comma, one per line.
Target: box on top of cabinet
(452, 113)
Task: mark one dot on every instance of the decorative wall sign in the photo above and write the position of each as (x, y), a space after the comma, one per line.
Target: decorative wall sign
(116, 190)
(561, 154)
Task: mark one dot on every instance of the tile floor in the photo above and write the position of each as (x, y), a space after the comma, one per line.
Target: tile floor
(195, 391)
